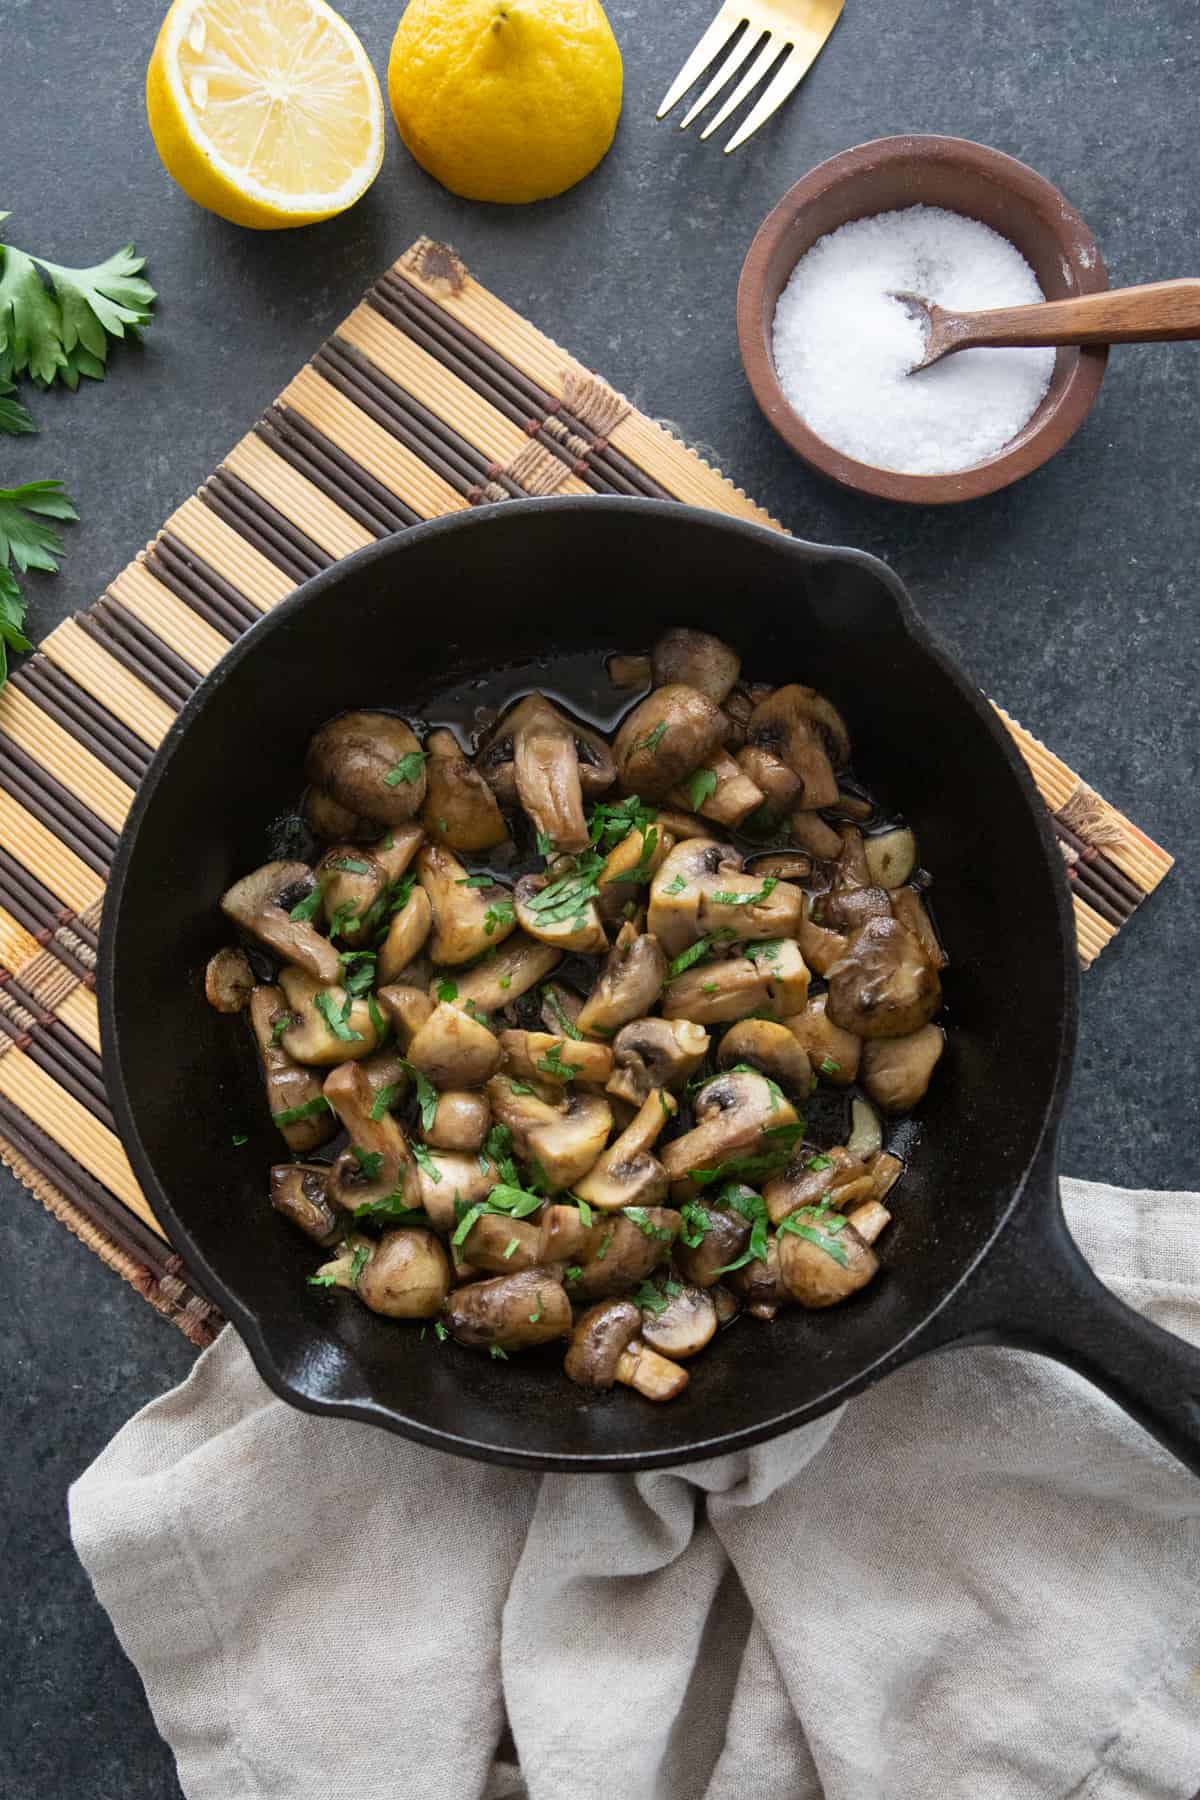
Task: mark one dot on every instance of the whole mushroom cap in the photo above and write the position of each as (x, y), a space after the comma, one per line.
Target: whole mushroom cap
(372, 764)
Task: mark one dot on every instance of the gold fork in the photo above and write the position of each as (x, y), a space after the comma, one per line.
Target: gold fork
(795, 29)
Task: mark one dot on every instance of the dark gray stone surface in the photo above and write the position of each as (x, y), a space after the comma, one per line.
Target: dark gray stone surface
(1070, 598)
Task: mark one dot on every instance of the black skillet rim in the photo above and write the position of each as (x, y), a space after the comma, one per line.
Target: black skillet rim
(243, 1318)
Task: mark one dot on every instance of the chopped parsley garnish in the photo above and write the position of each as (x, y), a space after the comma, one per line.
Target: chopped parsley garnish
(282, 1023)
(308, 1110)
(513, 1245)
(776, 1092)
(478, 1014)
(384, 1101)
(240, 1137)
(505, 983)
(653, 1299)
(639, 1217)
(502, 914)
(686, 958)
(514, 1202)
(753, 1208)
(440, 1332)
(545, 845)
(306, 910)
(499, 1354)
(498, 1147)
(336, 1021)
(424, 1160)
(321, 1281)
(611, 822)
(829, 1067)
(696, 1224)
(534, 1317)
(358, 971)
(652, 742)
(427, 1097)
(369, 1161)
(757, 953)
(350, 865)
(447, 991)
(700, 786)
(475, 881)
(586, 1215)
(752, 1168)
(818, 1226)
(724, 897)
(519, 1087)
(394, 1208)
(553, 1064)
(359, 1261)
(819, 1162)
(572, 1273)
(567, 897)
(605, 1241)
(668, 1111)
(675, 887)
(407, 769)
(709, 987)
(344, 916)
(566, 1026)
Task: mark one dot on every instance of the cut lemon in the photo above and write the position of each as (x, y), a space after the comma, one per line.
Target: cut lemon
(265, 111)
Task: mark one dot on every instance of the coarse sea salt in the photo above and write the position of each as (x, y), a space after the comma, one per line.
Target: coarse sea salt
(843, 348)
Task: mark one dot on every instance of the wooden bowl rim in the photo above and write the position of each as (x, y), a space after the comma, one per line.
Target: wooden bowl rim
(1017, 459)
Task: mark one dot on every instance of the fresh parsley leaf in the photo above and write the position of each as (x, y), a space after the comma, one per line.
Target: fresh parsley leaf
(475, 881)
(502, 914)
(24, 538)
(611, 822)
(321, 1281)
(359, 1261)
(308, 1110)
(535, 1316)
(553, 1064)
(724, 897)
(306, 910)
(519, 1087)
(639, 1217)
(820, 1227)
(358, 971)
(828, 1066)
(498, 1147)
(440, 1332)
(407, 769)
(650, 1298)
(709, 987)
(425, 1161)
(427, 1096)
(545, 845)
(369, 1161)
(753, 1168)
(566, 1026)
(652, 742)
(605, 1241)
(240, 1137)
(700, 786)
(573, 1273)
(513, 1245)
(819, 1162)
(586, 1216)
(350, 865)
(281, 1025)
(753, 1208)
(12, 618)
(505, 982)
(336, 1023)
(568, 895)
(498, 1353)
(61, 331)
(757, 953)
(478, 1014)
(394, 1208)
(384, 1101)
(675, 887)
(686, 958)
(13, 417)
(696, 1224)
(447, 991)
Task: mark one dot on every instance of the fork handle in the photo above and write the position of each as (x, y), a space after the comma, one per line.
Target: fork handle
(1157, 312)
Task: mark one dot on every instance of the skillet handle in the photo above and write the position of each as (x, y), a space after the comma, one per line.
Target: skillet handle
(1034, 1291)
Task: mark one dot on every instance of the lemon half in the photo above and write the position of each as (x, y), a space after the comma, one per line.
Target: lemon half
(266, 112)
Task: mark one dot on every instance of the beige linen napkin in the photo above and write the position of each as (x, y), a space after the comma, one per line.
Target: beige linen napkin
(979, 1582)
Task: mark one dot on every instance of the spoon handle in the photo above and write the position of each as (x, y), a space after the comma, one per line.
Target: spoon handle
(1157, 312)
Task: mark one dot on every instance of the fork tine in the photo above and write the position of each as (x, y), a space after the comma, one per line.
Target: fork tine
(800, 59)
(709, 46)
(726, 72)
(764, 61)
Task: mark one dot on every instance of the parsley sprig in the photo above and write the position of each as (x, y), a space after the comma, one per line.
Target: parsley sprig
(56, 322)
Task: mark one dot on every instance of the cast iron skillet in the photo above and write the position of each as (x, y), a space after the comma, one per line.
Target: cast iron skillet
(978, 1252)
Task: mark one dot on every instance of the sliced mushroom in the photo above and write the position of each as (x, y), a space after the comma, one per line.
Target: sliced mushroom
(800, 727)
(780, 786)
(328, 1026)
(812, 1176)
(683, 1327)
(328, 819)
(261, 904)
(770, 1048)
(560, 1008)
(720, 789)
(290, 1089)
(910, 909)
(832, 1053)
(679, 887)
(710, 1240)
(785, 865)
(670, 733)
(770, 978)
(886, 1171)
(406, 936)
(341, 1270)
(811, 833)
(628, 672)
(459, 809)
(655, 1053)
(506, 974)
(626, 1174)
(452, 1049)
(819, 945)
(498, 1245)
(378, 1162)
(623, 1249)
(371, 763)
(732, 1113)
(448, 1179)
(351, 882)
(628, 985)
(467, 920)
(461, 1122)
(407, 1009)
(885, 984)
(682, 824)
(825, 1257)
(640, 853)
(228, 981)
(695, 659)
(387, 1073)
(846, 909)
(548, 762)
(408, 1277)
(579, 931)
(725, 1304)
(605, 1348)
(891, 856)
(543, 1057)
(298, 1191)
(737, 706)
(513, 1312)
(751, 909)
(897, 1071)
(563, 1140)
(760, 1284)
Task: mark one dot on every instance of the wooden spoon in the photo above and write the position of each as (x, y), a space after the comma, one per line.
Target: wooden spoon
(1158, 312)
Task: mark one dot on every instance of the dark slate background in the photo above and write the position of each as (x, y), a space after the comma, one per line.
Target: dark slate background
(1070, 598)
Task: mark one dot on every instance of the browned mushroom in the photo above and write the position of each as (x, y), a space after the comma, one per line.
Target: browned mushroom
(785, 865)
(824, 1257)
(630, 864)
(628, 672)
(654, 1053)
(811, 833)
(263, 904)
(459, 809)
(667, 735)
(467, 919)
(228, 981)
(695, 659)
(406, 936)
(700, 890)
(294, 1097)
(770, 1048)
(771, 977)
(499, 1245)
(814, 1176)
(548, 762)
(732, 1112)
(711, 1239)
(622, 1250)
(897, 1071)
(452, 1049)
(910, 909)
(579, 930)
(885, 984)
(407, 1277)
(760, 1284)
(351, 882)
(561, 1141)
(605, 1348)
(407, 1009)
(513, 1312)
(505, 974)
(682, 1325)
(378, 1162)
(832, 1053)
(820, 946)
(803, 730)
(460, 1121)
(780, 786)
(626, 1174)
(299, 1192)
(539, 1056)
(627, 986)
(448, 1180)
(327, 1025)
(720, 789)
(328, 819)
(371, 763)
(342, 1270)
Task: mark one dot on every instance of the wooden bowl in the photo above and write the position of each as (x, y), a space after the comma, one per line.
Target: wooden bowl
(883, 176)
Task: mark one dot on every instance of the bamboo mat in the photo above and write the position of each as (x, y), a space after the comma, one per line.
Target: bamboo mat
(433, 396)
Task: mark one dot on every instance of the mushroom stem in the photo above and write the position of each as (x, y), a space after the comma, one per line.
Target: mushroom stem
(654, 1376)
